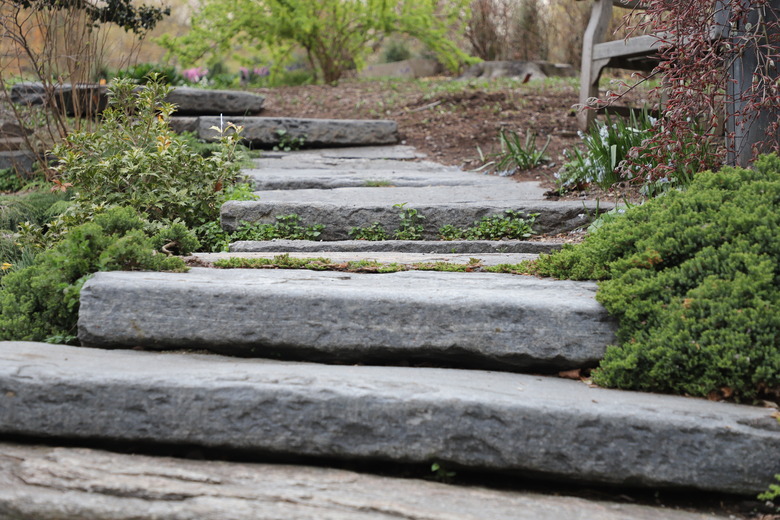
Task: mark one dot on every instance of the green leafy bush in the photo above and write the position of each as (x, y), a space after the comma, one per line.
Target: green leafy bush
(396, 50)
(134, 159)
(143, 73)
(694, 277)
(41, 301)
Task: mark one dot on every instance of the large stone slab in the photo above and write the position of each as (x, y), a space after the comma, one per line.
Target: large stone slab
(20, 160)
(383, 257)
(491, 190)
(84, 99)
(359, 210)
(412, 68)
(316, 161)
(401, 246)
(468, 319)
(349, 176)
(90, 99)
(42, 483)
(530, 424)
(191, 101)
(271, 131)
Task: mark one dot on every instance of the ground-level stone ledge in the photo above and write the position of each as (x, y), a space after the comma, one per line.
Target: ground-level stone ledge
(488, 420)
(42, 483)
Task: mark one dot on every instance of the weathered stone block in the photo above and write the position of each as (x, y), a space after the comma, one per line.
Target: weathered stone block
(510, 422)
(467, 319)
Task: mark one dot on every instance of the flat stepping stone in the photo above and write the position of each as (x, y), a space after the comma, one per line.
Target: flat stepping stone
(362, 177)
(396, 152)
(188, 100)
(471, 319)
(42, 482)
(488, 420)
(341, 209)
(272, 131)
(19, 160)
(192, 101)
(313, 161)
(384, 257)
(471, 247)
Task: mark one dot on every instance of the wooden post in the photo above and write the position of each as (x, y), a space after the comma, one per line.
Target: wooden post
(748, 130)
(601, 15)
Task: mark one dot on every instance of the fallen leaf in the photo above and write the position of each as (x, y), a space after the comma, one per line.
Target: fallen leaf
(571, 374)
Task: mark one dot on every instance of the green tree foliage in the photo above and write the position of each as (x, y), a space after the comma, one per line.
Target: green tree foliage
(694, 277)
(335, 34)
(41, 301)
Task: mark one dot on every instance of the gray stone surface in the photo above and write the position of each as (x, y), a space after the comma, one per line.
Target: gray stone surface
(491, 190)
(357, 210)
(181, 124)
(19, 160)
(385, 257)
(87, 99)
(207, 102)
(412, 68)
(305, 160)
(468, 319)
(349, 176)
(41, 483)
(189, 100)
(398, 152)
(28, 93)
(265, 131)
(523, 70)
(401, 246)
(530, 424)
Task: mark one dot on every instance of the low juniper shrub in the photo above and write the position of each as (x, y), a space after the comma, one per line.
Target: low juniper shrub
(694, 277)
(41, 301)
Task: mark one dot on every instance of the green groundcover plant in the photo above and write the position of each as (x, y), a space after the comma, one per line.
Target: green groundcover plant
(694, 277)
(40, 302)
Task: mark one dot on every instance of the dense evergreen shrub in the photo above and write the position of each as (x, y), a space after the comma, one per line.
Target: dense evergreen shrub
(40, 302)
(694, 277)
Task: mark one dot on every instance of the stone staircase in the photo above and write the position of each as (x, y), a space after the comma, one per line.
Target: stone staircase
(407, 368)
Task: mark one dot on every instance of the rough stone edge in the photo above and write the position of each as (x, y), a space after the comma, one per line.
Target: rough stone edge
(400, 246)
(553, 217)
(42, 483)
(524, 423)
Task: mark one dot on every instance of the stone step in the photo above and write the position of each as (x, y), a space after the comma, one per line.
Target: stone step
(467, 319)
(43, 483)
(94, 98)
(382, 257)
(459, 247)
(359, 176)
(271, 131)
(536, 426)
(336, 156)
(341, 209)
(20, 160)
